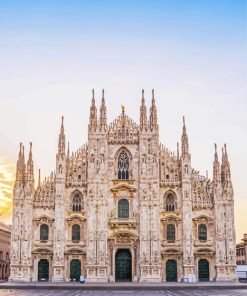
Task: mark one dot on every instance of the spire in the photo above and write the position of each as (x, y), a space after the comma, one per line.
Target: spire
(61, 141)
(20, 167)
(216, 165)
(68, 151)
(226, 177)
(29, 171)
(39, 180)
(185, 142)
(103, 119)
(177, 151)
(223, 167)
(153, 114)
(93, 114)
(143, 113)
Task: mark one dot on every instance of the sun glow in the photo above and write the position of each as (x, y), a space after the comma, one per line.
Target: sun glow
(7, 178)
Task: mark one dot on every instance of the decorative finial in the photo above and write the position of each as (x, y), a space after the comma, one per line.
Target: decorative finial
(183, 120)
(93, 93)
(152, 94)
(143, 93)
(103, 94)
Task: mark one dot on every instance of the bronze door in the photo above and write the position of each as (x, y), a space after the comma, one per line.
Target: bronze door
(123, 266)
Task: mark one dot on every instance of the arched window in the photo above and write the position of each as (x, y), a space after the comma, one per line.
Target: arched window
(202, 232)
(123, 208)
(170, 232)
(44, 232)
(77, 203)
(123, 166)
(170, 203)
(76, 235)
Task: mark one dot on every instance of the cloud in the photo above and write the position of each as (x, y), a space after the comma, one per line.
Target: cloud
(7, 178)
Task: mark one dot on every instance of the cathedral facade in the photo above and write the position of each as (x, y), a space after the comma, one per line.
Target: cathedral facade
(123, 208)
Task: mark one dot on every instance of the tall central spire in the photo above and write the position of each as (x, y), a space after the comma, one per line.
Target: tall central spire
(153, 114)
(61, 140)
(185, 142)
(143, 113)
(93, 114)
(103, 118)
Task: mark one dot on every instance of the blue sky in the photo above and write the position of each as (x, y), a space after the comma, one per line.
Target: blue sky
(193, 53)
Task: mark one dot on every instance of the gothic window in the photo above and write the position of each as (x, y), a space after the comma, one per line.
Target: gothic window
(44, 232)
(123, 208)
(170, 232)
(76, 235)
(202, 232)
(77, 203)
(170, 203)
(123, 166)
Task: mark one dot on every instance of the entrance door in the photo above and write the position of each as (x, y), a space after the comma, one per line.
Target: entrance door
(171, 270)
(43, 270)
(75, 269)
(203, 270)
(123, 266)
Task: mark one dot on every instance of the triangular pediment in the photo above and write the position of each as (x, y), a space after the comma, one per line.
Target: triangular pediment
(123, 186)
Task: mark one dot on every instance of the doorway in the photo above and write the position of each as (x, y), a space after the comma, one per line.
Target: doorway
(203, 270)
(123, 264)
(43, 270)
(75, 270)
(171, 270)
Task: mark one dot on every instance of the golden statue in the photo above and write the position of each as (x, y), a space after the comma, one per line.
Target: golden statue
(123, 109)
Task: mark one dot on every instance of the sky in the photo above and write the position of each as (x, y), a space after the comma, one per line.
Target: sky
(193, 53)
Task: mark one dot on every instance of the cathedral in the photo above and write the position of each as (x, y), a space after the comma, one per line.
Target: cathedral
(123, 207)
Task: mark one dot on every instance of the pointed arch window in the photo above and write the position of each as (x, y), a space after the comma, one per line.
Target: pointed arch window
(77, 202)
(123, 166)
(123, 208)
(171, 233)
(170, 203)
(202, 232)
(76, 232)
(44, 232)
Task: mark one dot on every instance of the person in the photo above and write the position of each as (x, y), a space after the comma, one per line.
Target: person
(82, 279)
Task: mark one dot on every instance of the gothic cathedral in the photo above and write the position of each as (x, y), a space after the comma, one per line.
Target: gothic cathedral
(123, 208)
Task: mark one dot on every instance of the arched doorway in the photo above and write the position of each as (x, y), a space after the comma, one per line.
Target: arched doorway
(203, 270)
(43, 270)
(75, 269)
(123, 263)
(171, 270)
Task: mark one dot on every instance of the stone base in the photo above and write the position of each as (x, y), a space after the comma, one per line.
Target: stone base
(150, 280)
(96, 280)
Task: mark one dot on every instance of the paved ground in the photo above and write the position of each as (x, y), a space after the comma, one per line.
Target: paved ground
(37, 292)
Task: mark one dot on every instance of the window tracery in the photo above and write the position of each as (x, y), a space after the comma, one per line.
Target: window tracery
(77, 202)
(123, 166)
(170, 203)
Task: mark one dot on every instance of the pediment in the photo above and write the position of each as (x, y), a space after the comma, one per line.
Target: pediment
(171, 217)
(74, 251)
(128, 235)
(75, 216)
(42, 250)
(123, 186)
(204, 251)
(201, 218)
